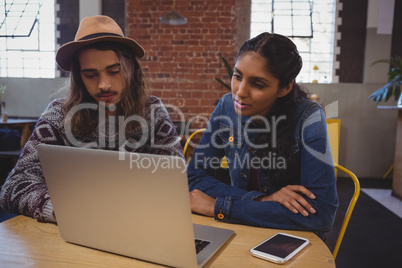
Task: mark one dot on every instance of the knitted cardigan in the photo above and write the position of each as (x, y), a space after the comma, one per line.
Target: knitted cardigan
(25, 191)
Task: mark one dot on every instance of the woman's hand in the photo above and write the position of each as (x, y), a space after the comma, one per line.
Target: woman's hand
(202, 203)
(288, 196)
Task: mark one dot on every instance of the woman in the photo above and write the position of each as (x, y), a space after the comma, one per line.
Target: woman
(275, 141)
(107, 108)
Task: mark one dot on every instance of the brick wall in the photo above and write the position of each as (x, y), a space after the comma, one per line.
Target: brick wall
(182, 61)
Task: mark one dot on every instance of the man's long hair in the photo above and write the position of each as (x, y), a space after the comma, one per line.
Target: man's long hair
(133, 98)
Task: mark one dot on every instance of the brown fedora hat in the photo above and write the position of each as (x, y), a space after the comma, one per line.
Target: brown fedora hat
(93, 30)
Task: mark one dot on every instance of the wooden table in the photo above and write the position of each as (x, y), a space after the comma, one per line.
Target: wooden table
(24, 242)
(24, 124)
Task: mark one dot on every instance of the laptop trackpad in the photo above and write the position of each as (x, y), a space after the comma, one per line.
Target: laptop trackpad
(216, 236)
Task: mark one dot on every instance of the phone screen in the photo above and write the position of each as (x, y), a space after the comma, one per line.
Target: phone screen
(280, 245)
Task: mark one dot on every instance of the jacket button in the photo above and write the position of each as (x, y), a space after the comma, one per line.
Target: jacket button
(265, 190)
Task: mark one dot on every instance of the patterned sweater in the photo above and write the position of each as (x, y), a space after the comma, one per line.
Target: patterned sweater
(25, 191)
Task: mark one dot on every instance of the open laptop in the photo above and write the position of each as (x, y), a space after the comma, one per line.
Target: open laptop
(131, 204)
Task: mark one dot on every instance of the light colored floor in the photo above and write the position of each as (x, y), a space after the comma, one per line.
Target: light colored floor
(384, 197)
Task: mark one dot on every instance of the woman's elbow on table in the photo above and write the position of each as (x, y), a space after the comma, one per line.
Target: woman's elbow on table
(325, 216)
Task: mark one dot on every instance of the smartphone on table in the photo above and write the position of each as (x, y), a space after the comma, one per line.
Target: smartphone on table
(279, 248)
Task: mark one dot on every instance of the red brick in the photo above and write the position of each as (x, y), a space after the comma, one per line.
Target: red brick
(192, 102)
(182, 61)
(207, 102)
(169, 94)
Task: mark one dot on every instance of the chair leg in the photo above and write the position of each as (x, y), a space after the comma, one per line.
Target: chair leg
(388, 172)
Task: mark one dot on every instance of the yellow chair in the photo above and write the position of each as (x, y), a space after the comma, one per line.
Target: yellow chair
(388, 172)
(333, 126)
(224, 162)
(334, 131)
(186, 145)
(186, 153)
(350, 209)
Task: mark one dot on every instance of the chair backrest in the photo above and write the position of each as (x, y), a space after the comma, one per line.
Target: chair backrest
(350, 209)
(186, 149)
(333, 126)
(334, 134)
(334, 131)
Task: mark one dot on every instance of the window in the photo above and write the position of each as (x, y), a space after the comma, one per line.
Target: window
(27, 38)
(309, 23)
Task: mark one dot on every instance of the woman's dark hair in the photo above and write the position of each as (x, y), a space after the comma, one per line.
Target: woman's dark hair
(133, 98)
(284, 62)
(283, 59)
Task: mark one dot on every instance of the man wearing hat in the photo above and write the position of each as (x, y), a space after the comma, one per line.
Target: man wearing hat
(107, 96)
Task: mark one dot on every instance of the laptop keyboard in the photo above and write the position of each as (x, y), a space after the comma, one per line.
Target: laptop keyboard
(200, 245)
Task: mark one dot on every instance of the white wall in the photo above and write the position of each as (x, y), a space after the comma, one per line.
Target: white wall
(28, 97)
(90, 8)
(368, 134)
(378, 40)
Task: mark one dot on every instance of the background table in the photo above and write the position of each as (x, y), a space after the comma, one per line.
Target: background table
(24, 242)
(397, 177)
(23, 123)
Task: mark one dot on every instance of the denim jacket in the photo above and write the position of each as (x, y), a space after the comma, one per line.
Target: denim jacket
(230, 135)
